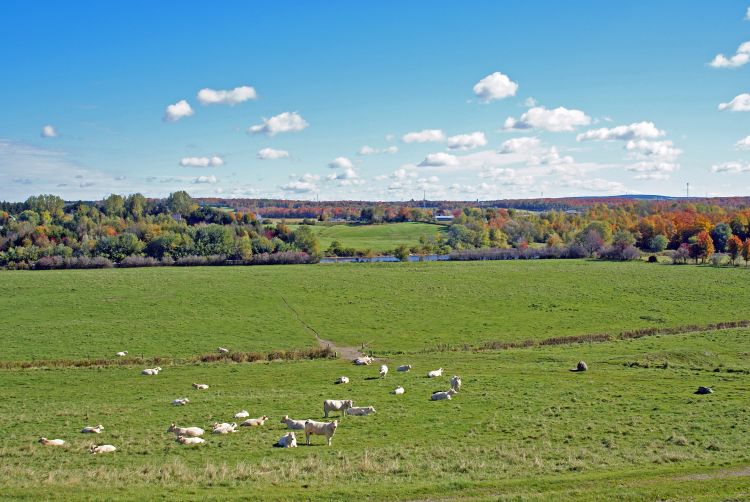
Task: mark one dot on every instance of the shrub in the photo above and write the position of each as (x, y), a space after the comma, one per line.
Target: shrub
(139, 261)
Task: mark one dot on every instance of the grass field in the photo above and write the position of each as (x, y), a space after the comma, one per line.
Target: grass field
(378, 238)
(523, 426)
(390, 307)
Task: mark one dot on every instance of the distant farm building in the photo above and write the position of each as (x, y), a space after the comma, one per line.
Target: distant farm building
(447, 218)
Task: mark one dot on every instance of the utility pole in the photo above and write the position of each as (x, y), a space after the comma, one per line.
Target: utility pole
(687, 191)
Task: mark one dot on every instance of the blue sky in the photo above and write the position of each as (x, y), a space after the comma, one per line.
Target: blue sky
(459, 100)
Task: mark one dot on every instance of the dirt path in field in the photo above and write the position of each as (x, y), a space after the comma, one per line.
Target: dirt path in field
(349, 353)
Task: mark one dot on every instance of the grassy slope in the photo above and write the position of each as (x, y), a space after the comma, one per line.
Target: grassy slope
(379, 238)
(184, 311)
(523, 426)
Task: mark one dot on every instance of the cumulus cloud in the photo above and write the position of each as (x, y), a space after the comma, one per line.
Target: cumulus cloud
(49, 132)
(595, 185)
(656, 171)
(660, 149)
(495, 86)
(230, 97)
(740, 103)
(341, 163)
(560, 119)
(439, 159)
(271, 154)
(205, 180)
(743, 144)
(652, 176)
(304, 184)
(747, 14)
(283, 122)
(740, 58)
(214, 161)
(638, 130)
(368, 150)
(179, 110)
(519, 145)
(346, 177)
(424, 136)
(550, 157)
(467, 141)
(730, 167)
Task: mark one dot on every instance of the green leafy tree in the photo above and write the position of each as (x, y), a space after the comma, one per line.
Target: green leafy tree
(401, 252)
(214, 240)
(658, 243)
(306, 240)
(114, 205)
(720, 235)
(180, 203)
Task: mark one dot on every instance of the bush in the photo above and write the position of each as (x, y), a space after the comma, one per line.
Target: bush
(139, 261)
(282, 258)
(571, 252)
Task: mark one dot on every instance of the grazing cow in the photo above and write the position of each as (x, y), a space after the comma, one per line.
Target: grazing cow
(360, 411)
(581, 366)
(288, 440)
(242, 414)
(336, 405)
(180, 401)
(122, 353)
(293, 424)
(257, 422)
(327, 429)
(190, 441)
(398, 390)
(404, 367)
(102, 448)
(383, 371)
(200, 386)
(342, 379)
(93, 430)
(151, 371)
(435, 373)
(223, 350)
(456, 383)
(186, 431)
(437, 396)
(704, 390)
(52, 442)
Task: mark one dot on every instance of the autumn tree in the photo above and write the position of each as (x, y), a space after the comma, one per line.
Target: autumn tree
(746, 251)
(734, 247)
(701, 246)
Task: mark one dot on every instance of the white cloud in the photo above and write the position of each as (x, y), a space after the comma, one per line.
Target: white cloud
(231, 97)
(747, 14)
(439, 159)
(740, 58)
(424, 136)
(652, 177)
(495, 86)
(304, 184)
(283, 122)
(214, 161)
(743, 144)
(529, 102)
(467, 141)
(49, 132)
(179, 110)
(271, 154)
(730, 167)
(660, 149)
(346, 177)
(341, 163)
(638, 130)
(550, 157)
(740, 103)
(507, 177)
(368, 150)
(653, 167)
(519, 145)
(595, 185)
(205, 179)
(403, 173)
(558, 120)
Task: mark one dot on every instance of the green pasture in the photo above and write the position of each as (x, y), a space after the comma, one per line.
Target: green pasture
(378, 238)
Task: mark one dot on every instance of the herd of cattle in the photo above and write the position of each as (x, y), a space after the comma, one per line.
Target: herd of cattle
(192, 435)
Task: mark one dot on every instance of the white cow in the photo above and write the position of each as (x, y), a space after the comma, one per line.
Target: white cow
(404, 367)
(288, 440)
(363, 361)
(97, 429)
(456, 383)
(224, 428)
(342, 379)
(190, 440)
(223, 350)
(242, 414)
(360, 411)
(327, 429)
(435, 373)
(383, 370)
(398, 390)
(180, 401)
(293, 424)
(257, 422)
(122, 353)
(151, 371)
(102, 448)
(186, 431)
(52, 442)
(200, 386)
(437, 396)
(336, 405)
